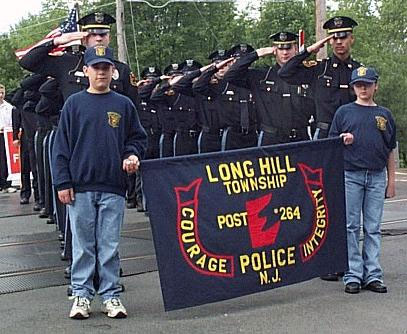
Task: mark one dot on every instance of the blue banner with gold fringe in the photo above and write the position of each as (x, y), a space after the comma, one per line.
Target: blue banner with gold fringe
(233, 223)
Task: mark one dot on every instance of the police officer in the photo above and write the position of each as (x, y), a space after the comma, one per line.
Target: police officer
(178, 110)
(67, 69)
(148, 111)
(235, 102)
(283, 110)
(207, 86)
(329, 78)
(148, 115)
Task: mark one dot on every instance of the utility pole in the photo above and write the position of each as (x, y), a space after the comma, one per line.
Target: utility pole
(320, 18)
(121, 35)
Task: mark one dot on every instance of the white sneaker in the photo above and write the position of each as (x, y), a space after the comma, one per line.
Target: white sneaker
(80, 308)
(114, 308)
(11, 190)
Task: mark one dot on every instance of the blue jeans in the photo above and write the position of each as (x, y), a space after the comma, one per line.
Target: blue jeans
(96, 219)
(365, 192)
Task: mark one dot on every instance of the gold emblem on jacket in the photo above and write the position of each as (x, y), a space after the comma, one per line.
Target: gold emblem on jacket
(381, 123)
(114, 119)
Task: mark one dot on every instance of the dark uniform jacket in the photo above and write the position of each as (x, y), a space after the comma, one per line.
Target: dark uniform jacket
(67, 70)
(329, 80)
(281, 107)
(227, 105)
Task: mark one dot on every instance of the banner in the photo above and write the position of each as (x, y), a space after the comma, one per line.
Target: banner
(13, 156)
(233, 223)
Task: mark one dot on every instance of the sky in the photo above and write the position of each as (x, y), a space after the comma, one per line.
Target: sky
(15, 11)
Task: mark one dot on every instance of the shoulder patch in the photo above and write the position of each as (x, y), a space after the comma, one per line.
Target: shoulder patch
(309, 63)
(133, 79)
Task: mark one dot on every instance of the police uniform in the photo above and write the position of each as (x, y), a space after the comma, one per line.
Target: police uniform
(164, 97)
(148, 115)
(67, 69)
(329, 78)
(237, 113)
(178, 111)
(187, 109)
(211, 115)
(283, 110)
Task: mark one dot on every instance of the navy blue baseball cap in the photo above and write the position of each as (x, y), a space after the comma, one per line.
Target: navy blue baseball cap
(98, 54)
(364, 74)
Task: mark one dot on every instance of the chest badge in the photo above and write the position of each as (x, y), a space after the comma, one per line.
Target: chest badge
(381, 123)
(113, 119)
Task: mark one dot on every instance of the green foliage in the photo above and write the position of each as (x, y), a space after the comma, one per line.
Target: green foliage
(10, 71)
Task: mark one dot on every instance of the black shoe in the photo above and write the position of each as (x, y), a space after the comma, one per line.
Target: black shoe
(131, 205)
(63, 257)
(24, 201)
(60, 237)
(352, 288)
(43, 213)
(62, 245)
(37, 207)
(376, 286)
(330, 277)
(69, 291)
(50, 221)
(140, 209)
(67, 272)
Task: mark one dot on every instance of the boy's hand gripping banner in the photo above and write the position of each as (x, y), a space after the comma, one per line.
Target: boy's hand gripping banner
(234, 223)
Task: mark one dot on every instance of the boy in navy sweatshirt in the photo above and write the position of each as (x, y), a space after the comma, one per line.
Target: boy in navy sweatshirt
(99, 140)
(369, 133)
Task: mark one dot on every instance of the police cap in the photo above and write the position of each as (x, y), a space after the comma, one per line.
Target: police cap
(98, 54)
(240, 50)
(190, 65)
(284, 39)
(96, 23)
(364, 74)
(172, 69)
(219, 55)
(340, 26)
(150, 72)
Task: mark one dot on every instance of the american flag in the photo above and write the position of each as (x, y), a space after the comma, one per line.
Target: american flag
(69, 25)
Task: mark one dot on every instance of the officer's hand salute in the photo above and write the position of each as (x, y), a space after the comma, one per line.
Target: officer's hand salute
(267, 51)
(314, 48)
(70, 37)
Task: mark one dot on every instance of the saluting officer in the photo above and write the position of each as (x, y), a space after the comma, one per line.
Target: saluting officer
(67, 69)
(329, 78)
(236, 105)
(164, 97)
(207, 86)
(148, 115)
(283, 110)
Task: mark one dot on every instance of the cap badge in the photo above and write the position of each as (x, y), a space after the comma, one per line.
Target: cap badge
(338, 22)
(283, 36)
(151, 69)
(190, 62)
(174, 66)
(99, 17)
(243, 47)
(221, 53)
(362, 71)
(100, 50)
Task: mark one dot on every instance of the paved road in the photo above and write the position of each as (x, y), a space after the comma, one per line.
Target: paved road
(310, 307)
